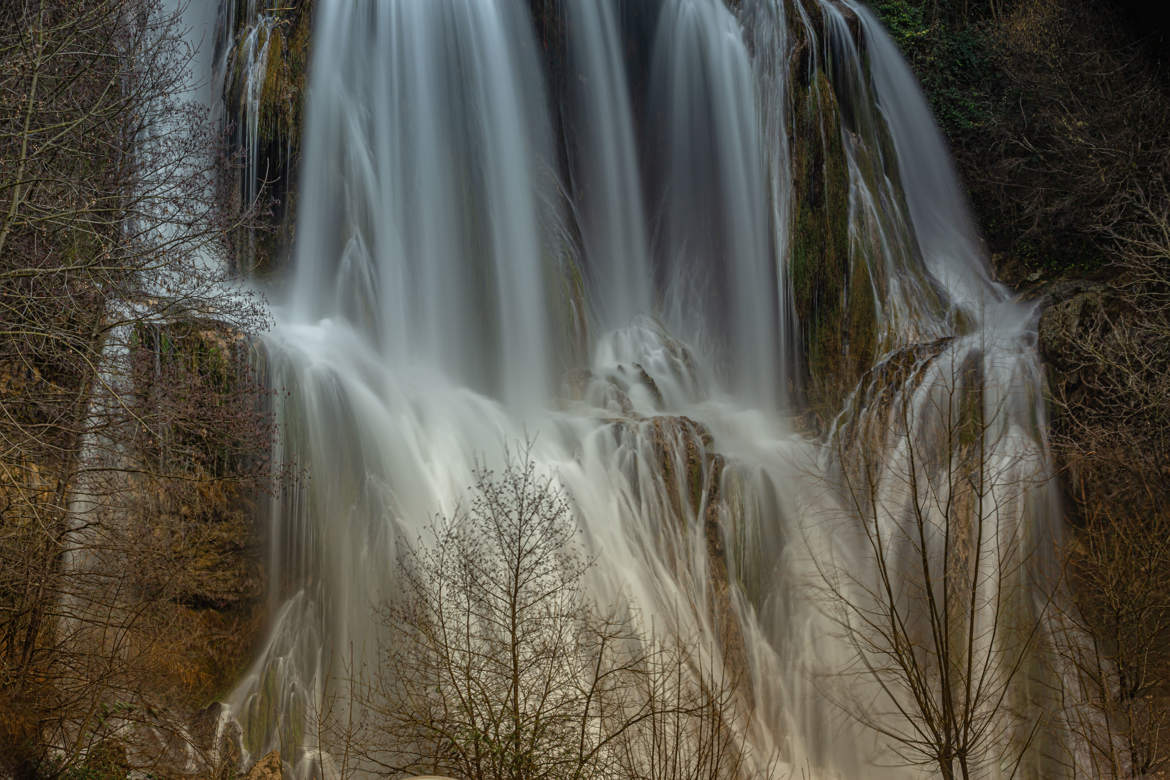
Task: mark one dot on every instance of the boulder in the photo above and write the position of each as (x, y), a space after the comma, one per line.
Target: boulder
(270, 767)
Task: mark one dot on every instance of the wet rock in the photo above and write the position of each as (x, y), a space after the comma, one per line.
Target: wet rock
(197, 555)
(651, 385)
(832, 294)
(576, 383)
(280, 122)
(691, 473)
(863, 421)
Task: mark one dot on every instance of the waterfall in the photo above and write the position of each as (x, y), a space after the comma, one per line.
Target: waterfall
(609, 194)
(429, 168)
(641, 308)
(722, 277)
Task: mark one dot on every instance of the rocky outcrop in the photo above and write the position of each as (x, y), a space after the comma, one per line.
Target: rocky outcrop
(831, 301)
(270, 767)
(832, 288)
(684, 487)
(201, 541)
(273, 156)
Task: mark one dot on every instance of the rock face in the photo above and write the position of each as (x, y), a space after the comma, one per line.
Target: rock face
(265, 95)
(832, 295)
(200, 543)
(684, 486)
(268, 768)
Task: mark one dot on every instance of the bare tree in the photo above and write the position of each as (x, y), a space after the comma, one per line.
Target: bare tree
(690, 732)
(937, 584)
(128, 410)
(497, 665)
(1109, 349)
(1119, 623)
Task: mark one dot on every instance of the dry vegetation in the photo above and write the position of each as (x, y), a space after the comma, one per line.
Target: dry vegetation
(129, 422)
(1109, 351)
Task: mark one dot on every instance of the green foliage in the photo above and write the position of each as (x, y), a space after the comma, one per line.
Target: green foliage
(954, 59)
(904, 20)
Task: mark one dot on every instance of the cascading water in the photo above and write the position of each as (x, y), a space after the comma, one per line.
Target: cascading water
(457, 287)
(722, 278)
(608, 196)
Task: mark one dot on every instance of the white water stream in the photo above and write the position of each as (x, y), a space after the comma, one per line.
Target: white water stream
(453, 292)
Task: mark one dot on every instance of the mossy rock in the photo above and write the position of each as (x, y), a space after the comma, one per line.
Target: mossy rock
(832, 289)
(280, 127)
(876, 390)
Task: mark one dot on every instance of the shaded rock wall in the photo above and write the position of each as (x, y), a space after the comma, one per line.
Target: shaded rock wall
(278, 123)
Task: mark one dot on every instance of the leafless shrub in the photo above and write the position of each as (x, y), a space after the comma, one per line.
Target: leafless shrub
(1109, 351)
(128, 404)
(497, 665)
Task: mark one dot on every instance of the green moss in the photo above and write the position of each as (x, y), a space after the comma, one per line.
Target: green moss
(832, 293)
(971, 426)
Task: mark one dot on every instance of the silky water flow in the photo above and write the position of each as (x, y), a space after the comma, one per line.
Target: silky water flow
(609, 265)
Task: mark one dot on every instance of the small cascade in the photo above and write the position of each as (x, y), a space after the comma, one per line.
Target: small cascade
(246, 60)
(942, 223)
(99, 616)
(745, 283)
(258, 68)
(254, 67)
(767, 37)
